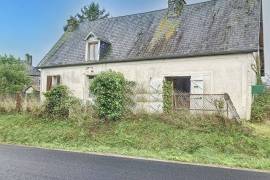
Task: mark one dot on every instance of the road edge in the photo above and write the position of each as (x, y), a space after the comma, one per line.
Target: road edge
(138, 158)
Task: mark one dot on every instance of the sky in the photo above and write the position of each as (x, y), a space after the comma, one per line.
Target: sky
(33, 26)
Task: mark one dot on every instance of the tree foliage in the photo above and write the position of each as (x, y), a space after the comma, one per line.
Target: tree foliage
(13, 75)
(112, 95)
(72, 23)
(91, 12)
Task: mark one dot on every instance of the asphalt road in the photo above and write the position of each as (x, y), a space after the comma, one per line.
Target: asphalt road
(21, 163)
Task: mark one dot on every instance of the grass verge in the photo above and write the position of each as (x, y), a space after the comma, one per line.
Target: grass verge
(146, 136)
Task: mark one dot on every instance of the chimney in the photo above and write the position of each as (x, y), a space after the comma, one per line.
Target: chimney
(175, 7)
(28, 59)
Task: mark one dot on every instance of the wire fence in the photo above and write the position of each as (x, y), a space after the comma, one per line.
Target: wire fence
(206, 103)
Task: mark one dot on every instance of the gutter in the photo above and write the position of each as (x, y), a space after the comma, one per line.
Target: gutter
(150, 58)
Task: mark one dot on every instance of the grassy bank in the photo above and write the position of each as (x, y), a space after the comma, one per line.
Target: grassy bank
(147, 136)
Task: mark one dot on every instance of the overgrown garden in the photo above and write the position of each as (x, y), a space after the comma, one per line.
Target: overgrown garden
(111, 126)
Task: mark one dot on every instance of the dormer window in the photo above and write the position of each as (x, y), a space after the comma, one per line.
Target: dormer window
(92, 47)
(96, 47)
(93, 51)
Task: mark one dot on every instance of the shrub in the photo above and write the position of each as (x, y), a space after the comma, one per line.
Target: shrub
(261, 108)
(58, 102)
(167, 96)
(112, 95)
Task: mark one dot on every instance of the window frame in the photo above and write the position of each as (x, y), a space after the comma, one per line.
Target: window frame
(88, 50)
(52, 81)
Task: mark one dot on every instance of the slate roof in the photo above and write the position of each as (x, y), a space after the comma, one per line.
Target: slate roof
(33, 71)
(208, 28)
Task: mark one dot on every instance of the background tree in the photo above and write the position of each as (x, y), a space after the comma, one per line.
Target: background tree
(13, 75)
(91, 12)
(13, 78)
(72, 23)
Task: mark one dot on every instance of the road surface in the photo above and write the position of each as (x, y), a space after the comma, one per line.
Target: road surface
(22, 163)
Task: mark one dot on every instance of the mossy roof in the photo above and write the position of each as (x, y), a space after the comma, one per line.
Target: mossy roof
(213, 27)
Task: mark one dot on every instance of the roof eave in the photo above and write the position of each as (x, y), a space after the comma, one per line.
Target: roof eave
(152, 58)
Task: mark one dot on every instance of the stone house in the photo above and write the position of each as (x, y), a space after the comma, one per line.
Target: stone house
(205, 48)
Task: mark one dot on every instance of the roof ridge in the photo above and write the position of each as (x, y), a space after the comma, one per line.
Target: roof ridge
(204, 2)
(122, 16)
(147, 12)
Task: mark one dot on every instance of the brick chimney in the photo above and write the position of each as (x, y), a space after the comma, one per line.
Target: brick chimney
(28, 60)
(175, 7)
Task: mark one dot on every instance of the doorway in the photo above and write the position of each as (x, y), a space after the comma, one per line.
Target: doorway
(181, 84)
(181, 91)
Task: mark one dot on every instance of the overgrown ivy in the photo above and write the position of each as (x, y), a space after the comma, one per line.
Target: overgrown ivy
(167, 96)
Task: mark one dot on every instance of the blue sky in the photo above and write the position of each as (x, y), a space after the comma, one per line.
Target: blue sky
(33, 26)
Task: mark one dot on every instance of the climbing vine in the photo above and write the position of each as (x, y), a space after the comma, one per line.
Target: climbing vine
(167, 96)
(256, 67)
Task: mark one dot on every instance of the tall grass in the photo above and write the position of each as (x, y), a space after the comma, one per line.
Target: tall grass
(183, 138)
(30, 105)
(176, 136)
(261, 108)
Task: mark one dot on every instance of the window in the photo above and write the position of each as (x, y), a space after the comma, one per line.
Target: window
(53, 81)
(92, 51)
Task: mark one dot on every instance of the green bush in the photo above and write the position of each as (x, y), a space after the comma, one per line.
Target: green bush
(167, 96)
(112, 95)
(261, 108)
(58, 102)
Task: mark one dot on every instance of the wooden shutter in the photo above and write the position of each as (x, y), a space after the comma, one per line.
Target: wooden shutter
(49, 83)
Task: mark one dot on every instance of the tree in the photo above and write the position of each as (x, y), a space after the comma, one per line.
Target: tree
(72, 23)
(13, 78)
(13, 75)
(91, 12)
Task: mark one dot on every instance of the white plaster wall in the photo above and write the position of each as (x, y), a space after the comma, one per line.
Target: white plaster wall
(230, 74)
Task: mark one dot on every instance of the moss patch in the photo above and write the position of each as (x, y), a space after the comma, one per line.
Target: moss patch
(165, 30)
